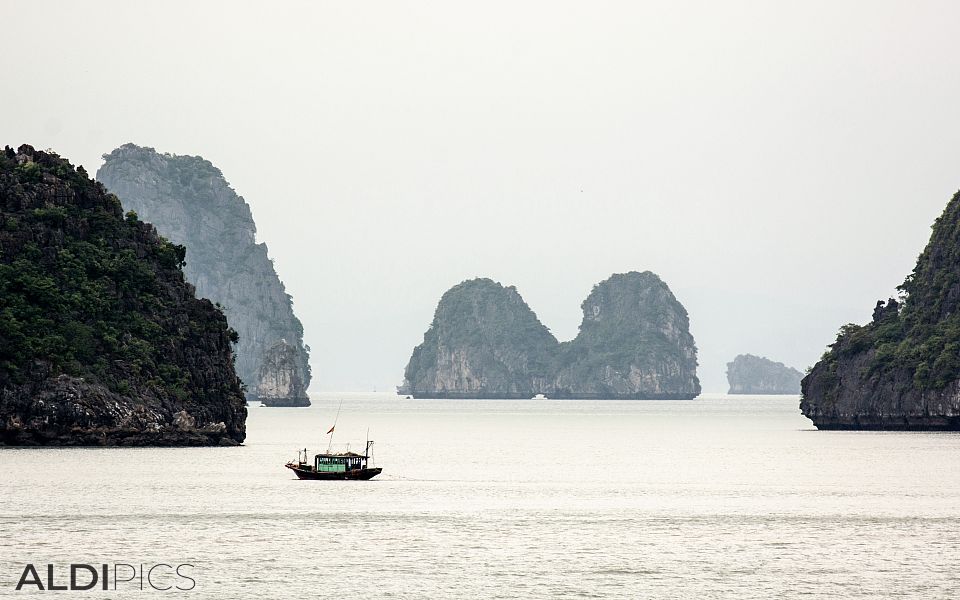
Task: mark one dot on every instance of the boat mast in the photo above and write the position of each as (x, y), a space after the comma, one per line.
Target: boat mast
(337, 418)
(366, 451)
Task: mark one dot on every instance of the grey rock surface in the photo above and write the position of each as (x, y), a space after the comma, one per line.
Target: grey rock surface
(749, 374)
(485, 342)
(190, 203)
(900, 371)
(102, 341)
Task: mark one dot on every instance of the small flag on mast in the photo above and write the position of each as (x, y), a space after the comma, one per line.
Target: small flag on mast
(332, 428)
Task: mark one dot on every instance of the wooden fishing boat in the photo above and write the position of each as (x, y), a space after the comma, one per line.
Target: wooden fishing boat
(340, 466)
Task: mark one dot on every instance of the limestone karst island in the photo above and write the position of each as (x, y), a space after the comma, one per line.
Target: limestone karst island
(485, 342)
(103, 340)
(190, 203)
(749, 374)
(902, 369)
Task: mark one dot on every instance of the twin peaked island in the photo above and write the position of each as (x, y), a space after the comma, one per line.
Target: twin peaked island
(485, 342)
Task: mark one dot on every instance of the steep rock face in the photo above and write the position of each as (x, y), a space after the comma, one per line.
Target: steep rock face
(634, 342)
(191, 203)
(102, 342)
(280, 382)
(485, 342)
(901, 370)
(749, 374)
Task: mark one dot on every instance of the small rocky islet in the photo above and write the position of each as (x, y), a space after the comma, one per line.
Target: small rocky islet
(486, 342)
(190, 202)
(749, 374)
(102, 340)
(900, 371)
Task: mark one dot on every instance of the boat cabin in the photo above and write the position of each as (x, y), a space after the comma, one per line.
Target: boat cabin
(339, 463)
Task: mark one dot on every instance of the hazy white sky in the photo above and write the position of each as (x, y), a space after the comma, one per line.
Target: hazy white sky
(778, 164)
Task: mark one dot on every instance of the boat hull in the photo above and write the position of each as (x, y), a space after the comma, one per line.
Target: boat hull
(354, 474)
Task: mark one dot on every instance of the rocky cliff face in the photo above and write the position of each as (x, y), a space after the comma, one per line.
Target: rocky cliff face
(634, 342)
(901, 370)
(749, 374)
(280, 382)
(485, 342)
(191, 203)
(102, 342)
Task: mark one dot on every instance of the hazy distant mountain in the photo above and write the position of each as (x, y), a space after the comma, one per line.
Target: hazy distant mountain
(485, 342)
(191, 203)
(102, 342)
(749, 374)
(901, 370)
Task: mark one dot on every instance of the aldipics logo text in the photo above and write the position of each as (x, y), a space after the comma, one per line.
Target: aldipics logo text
(160, 577)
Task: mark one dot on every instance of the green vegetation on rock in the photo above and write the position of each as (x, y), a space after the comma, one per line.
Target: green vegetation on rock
(190, 202)
(634, 341)
(901, 370)
(485, 341)
(93, 305)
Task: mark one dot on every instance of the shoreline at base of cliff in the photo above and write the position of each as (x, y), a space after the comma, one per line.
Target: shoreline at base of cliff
(485, 341)
(104, 342)
(900, 371)
(456, 396)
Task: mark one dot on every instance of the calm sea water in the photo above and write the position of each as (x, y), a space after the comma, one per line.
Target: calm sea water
(728, 497)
